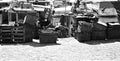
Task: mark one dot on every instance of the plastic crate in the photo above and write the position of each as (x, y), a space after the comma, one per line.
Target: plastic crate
(113, 34)
(83, 36)
(48, 37)
(113, 31)
(98, 35)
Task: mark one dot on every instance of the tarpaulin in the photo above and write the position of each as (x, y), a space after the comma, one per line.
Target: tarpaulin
(108, 11)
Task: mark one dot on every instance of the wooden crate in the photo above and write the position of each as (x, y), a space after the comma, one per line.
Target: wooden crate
(16, 33)
(23, 33)
(5, 34)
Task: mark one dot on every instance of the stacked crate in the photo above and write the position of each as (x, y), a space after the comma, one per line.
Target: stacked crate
(15, 34)
(87, 31)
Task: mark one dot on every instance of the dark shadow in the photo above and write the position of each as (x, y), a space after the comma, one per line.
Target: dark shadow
(31, 44)
(97, 42)
(34, 44)
(10, 43)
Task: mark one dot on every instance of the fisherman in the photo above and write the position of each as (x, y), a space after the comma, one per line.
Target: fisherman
(44, 20)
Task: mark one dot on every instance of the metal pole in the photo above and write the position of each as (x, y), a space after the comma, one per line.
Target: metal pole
(65, 6)
(65, 14)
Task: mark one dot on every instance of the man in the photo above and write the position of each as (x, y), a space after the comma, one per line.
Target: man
(44, 18)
